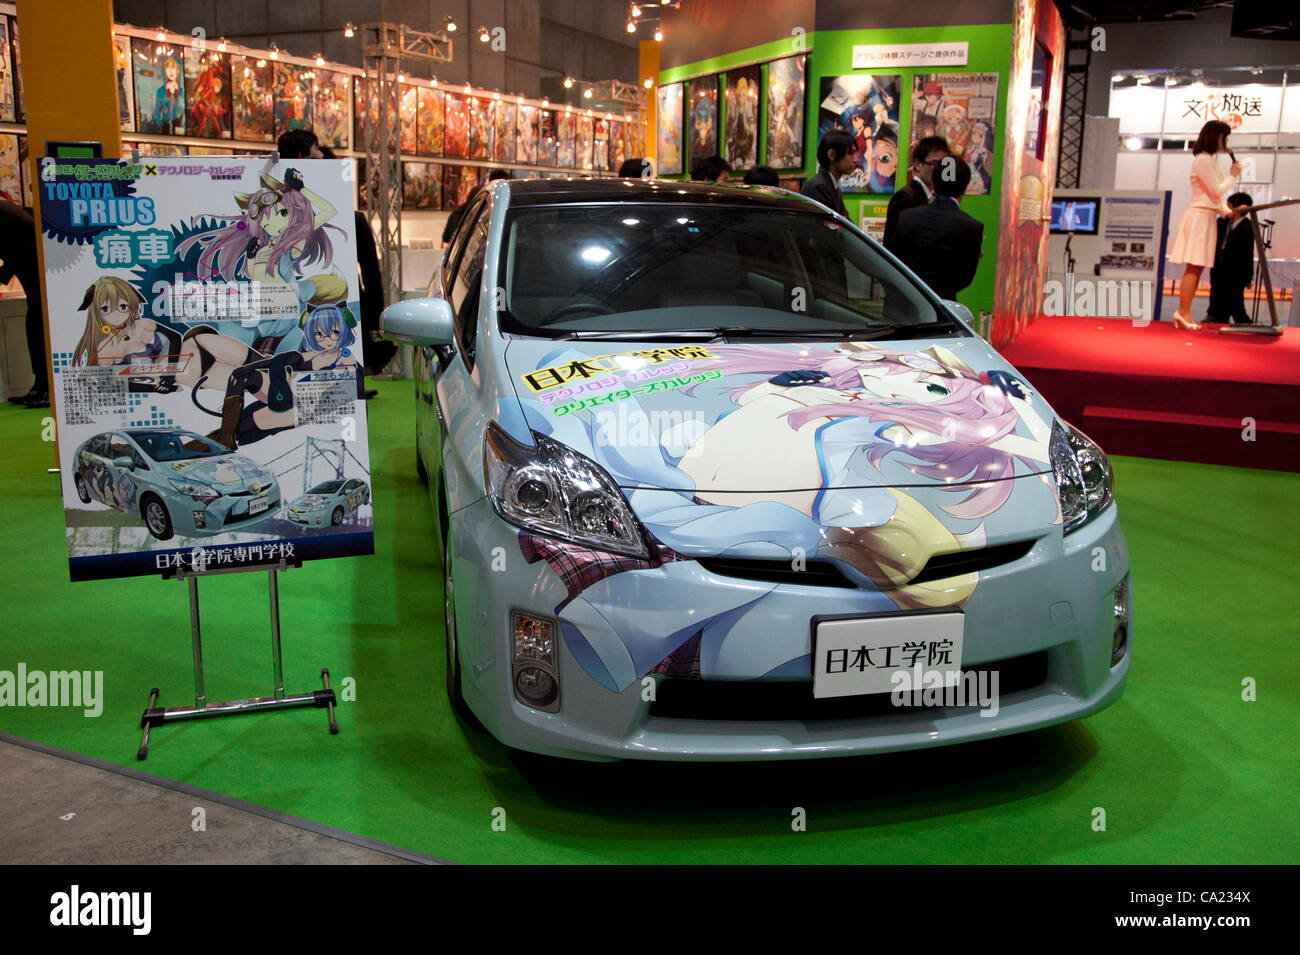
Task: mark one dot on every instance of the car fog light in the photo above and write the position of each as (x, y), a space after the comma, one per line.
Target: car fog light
(1119, 645)
(536, 687)
(533, 639)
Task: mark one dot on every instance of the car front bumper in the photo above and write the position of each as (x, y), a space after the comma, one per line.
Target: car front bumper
(1054, 606)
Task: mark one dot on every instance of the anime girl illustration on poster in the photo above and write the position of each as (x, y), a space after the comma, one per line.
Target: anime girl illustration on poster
(430, 124)
(526, 134)
(292, 97)
(668, 129)
(959, 107)
(253, 99)
(421, 185)
(456, 135)
(785, 112)
(582, 143)
(548, 138)
(159, 87)
(408, 117)
(207, 94)
(125, 88)
(615, 145)
(703, 120)
(866, 107)
(330, 105)
(20, 109)
(11, 186)
(8, 103)
(480, 127)
(215, 344)
(742, 118)
(600, 144)
(566, 139)
(503, 136)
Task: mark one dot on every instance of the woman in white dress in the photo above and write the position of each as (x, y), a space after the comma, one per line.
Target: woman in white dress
(1197, 231)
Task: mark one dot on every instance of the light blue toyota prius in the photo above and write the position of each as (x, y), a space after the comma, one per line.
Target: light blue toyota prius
(719, 479)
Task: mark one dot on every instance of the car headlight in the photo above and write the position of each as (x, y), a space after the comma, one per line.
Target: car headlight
(1083, 476)
(200, 492)
(555, 491)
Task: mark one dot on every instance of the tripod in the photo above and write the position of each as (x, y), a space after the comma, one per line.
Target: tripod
(1265, 243)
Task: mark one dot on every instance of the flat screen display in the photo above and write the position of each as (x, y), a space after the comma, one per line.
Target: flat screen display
(1075, 215)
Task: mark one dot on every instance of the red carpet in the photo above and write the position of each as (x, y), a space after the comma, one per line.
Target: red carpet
(1158, 392)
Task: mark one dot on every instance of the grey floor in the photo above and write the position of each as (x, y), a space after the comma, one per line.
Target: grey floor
(57, 810)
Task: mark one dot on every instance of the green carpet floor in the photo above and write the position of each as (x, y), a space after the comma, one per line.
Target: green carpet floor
(1185, 770)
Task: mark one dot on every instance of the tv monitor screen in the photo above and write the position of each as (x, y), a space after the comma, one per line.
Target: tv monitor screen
(1075, 215)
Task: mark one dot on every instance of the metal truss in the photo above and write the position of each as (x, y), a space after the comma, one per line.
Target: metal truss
(1074, 99)
(384, 46)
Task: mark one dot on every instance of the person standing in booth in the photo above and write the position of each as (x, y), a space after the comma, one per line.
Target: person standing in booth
(1197, 235)
(939, 242)
(1234, 262)
(837, 155)
(926, 154)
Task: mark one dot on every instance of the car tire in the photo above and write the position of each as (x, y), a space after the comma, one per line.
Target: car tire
(156, 518)
(83, 492)
(337, 517)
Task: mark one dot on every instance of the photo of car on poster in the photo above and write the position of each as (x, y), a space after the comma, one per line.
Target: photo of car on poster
(208, 362)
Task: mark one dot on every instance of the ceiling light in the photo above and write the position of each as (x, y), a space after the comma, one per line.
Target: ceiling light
(349, 30)
(449, 24)
(631, 27)
(320, 60)
(1133, 143)
(659, 36)
(587, 94)
(221, 45)
(568, 82)
(275, 52)
(162, 34)
(636, 11)
(648, 82)
(483, 35)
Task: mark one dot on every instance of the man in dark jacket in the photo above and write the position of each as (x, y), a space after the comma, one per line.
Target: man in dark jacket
(837, 155)
(927, 153)
(18, 257)
(1234, 263)
(939, 242)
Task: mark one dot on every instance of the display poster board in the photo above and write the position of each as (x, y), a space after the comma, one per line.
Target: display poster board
(668, 126)
(207, 94)
(785, 111)
(703, 117)
(207, 363)
(866, 107)
(960, 107)
(742, 118)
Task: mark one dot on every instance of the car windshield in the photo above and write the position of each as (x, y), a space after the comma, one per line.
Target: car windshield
(177, 445)
(326, 487)
(623, 269)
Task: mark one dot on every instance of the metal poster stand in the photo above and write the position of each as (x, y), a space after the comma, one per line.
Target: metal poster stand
(157, 715)
(1261, 247)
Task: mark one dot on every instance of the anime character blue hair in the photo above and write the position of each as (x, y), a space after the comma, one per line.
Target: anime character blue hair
(325, 320)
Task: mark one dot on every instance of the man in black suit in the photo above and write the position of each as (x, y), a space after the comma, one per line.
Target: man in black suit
(939, 242)
(18, 257)
(837, 155)
(927, 153)
(1234, 263)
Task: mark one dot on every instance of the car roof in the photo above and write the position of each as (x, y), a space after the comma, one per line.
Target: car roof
(540, 192)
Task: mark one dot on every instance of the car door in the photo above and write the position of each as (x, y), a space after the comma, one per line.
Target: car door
(98, 475)
(457, 382)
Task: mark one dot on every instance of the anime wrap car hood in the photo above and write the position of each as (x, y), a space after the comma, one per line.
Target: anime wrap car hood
(742, 417)
(310, 500)
(227, 473)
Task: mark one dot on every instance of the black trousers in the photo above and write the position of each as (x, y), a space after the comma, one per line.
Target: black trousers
(31, 284)
(1227, 300)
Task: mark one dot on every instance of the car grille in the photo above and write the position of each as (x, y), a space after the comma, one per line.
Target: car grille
(792, 700)
(822, 573)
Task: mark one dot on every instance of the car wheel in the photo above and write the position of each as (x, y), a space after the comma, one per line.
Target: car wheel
(337, 518)
(83, 492)
(156, 518)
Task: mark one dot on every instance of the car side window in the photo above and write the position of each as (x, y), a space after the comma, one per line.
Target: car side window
(466, 290)
(451, 261)
(117, 448)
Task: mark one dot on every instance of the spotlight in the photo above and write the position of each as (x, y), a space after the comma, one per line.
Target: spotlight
(483, 35)
(349, 30)
(320, 60)
(1133, 143)
(631, 27)
(162, 34)
(587, 94)
(221, 45)
(401, 77)
(636, 11)
(275, 52)
(449, 24)
(568, 82)
(659, 36)
(261, 62)
(648, 82)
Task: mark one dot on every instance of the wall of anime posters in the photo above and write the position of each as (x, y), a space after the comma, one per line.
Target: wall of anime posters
(526, 134)
(207, 94)
(331, 108)
(292, 86)
(456, 135)
(253, 99)
(865, 106)
(668, 129)
(159, 87)
(702, 118)
(125, 87)
(785, 112)
(742, 102)
(430, 122)
(962, 108)
(206, 358)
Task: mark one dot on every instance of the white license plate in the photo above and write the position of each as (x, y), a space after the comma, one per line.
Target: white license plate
(258, 504)
(854, 656)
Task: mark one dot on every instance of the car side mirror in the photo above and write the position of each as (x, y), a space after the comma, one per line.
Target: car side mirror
(961, 311)
(124, 462)
(427, 322)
